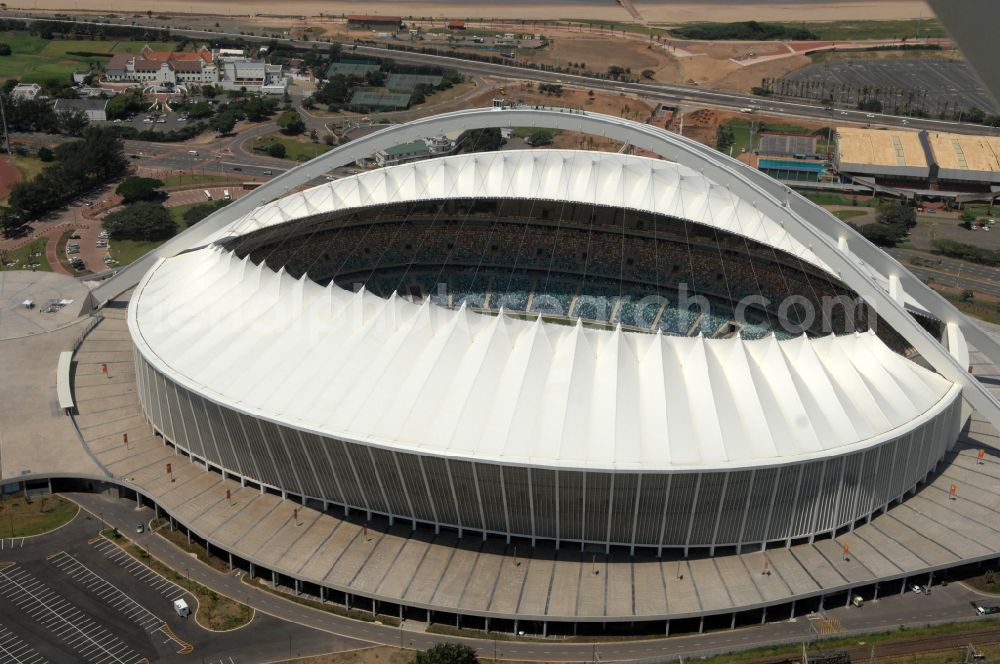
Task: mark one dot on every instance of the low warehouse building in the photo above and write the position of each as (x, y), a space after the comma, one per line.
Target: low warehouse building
(894, 155)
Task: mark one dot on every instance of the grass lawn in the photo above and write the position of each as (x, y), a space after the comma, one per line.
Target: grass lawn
(32, 253)
(20, 517)
(987, 583)
(294, 148)
(128, 251)
(745, 141)
(215, 612)
(846, 215)
(981, 309)
(35, 60)
(28, 166)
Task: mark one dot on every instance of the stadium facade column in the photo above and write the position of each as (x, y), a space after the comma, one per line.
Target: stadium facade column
(746, 512)
(718, 516)
(816, 502)
(611, 505)
(694, 509)
(795, 501)
(479, 501)
(635, 511)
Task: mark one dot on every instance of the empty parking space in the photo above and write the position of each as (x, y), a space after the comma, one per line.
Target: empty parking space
(106, 592)
(15, 651)
(935, 84)
(112, 551)
(88, 640)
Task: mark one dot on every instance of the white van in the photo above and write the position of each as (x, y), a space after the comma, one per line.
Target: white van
(225, 195)
(193, 152)
(181, 607)
(208, 194)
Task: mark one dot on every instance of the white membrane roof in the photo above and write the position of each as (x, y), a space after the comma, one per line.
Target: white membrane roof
(425, 379)
(613, 180)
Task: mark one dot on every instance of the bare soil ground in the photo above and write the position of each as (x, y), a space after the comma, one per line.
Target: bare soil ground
(601, 102)
(659, 12)
(9, 176)
(600, 53)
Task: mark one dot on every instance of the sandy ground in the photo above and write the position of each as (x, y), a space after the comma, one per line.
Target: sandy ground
(658, 11)
(9, 176)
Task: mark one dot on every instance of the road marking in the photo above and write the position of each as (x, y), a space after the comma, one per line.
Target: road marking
(91, 640)
(156, 581)
(109, 594)
(186, 648)
(15, 651)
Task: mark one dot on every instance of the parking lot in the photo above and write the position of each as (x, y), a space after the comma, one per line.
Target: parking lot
(79, 633)
(73, 596)
(943, 81)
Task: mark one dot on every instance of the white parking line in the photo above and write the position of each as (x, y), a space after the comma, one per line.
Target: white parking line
(15, 651)
(156, 581)
(107, 592)
(94, 642)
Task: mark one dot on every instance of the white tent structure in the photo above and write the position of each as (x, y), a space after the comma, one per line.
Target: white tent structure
(528, 427)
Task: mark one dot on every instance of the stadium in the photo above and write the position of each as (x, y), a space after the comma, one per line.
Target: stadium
(568, 346)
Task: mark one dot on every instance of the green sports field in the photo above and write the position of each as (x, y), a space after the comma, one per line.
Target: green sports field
(35, 60)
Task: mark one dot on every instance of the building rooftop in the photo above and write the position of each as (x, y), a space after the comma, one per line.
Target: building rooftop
(407, 148)
(961, 152)
(891, 147)
(81, 104)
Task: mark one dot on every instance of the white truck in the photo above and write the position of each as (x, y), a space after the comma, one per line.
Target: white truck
(225, 195)
(181, 607)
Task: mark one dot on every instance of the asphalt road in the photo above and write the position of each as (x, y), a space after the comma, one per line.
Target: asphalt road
(110, 599)
(943, 604)
(951, 272)
(665, 93)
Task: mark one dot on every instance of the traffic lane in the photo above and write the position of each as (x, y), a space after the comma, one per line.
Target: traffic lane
(904, 255)
(880, 615)
(944, 602)
(954, 281)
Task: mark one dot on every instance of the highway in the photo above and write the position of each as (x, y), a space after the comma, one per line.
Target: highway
(671, 94)
(950, 272)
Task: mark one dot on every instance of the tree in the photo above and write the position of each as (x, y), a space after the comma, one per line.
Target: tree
(974, 114)
(277, 150)
(447, 653)
(73, 122)
(897, 214)
(291, 123)
(967, 296)
(724, 138)
(539, 137)
(120, 106)
(45, 154)
(5, 49)
(144, 220)
(648, 73)
(134, 189)
(198, 212)
(223, 123)
(880, 235)
(482, 140)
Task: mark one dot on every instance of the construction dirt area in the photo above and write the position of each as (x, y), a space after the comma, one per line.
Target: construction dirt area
(619, 105)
